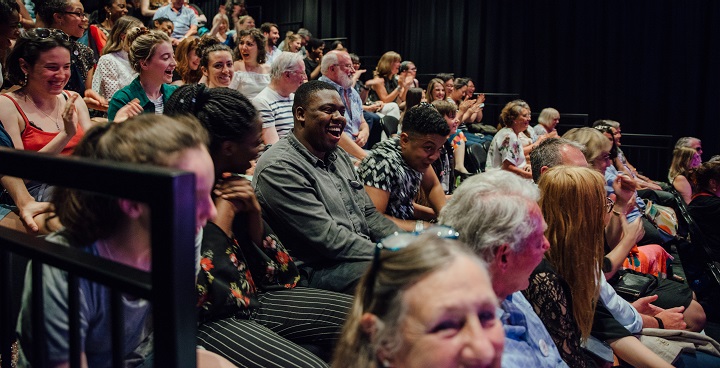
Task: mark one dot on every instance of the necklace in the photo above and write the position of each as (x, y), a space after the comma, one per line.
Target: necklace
(55, 120)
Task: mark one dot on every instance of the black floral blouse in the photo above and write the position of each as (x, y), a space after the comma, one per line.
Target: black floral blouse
(83, 60)
(233, 271)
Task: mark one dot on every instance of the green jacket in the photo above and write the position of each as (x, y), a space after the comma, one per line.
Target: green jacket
(135, 90)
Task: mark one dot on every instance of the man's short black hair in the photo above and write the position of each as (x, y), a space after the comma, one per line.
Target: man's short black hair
(306, 90)
(424, 119)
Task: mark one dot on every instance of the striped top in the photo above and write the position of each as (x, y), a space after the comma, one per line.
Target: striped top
(275, 110)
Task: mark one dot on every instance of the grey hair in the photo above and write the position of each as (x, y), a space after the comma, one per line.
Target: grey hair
(611, 123)
(547, 153)
(285, 62)
(492, 209)
(304, 33)
(547, 115)
(328, 60)
(684, 142)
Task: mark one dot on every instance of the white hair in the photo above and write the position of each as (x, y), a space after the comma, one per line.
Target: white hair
(285, 62)
(492, 209)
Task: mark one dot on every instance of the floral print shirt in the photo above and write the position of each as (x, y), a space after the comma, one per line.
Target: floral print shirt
(233, 270)
(505, 146)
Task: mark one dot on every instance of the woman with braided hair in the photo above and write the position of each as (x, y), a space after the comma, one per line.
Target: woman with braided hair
(251, 311)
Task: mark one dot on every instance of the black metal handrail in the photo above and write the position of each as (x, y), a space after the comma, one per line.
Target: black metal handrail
(170, 194)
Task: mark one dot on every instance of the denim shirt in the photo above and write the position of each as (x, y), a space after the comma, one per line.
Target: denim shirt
(353, 113)
(527, 342)
(318, 208)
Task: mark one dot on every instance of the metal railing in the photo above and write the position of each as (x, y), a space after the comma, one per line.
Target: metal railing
(170, 194)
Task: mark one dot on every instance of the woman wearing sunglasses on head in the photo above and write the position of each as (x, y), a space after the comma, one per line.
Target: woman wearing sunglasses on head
(69, 17)
(41, 116)
(423, 303)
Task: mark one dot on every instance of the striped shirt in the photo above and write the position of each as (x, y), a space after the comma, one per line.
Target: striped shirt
(275, 110)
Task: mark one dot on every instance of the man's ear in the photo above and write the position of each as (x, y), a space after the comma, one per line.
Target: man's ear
(404, 139)
(543, 169)
(132, 209)
(501, 257)
(300, 115)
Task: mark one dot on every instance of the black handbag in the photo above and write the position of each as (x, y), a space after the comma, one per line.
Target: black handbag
(632, 285)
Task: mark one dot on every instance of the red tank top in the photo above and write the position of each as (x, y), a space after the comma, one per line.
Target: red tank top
(34, 139)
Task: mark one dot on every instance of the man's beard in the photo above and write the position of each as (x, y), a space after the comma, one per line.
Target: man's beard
(344, 81)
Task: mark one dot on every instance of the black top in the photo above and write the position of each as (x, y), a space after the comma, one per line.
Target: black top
(551, 299)
(705, 210)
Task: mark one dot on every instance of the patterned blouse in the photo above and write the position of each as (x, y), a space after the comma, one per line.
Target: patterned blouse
(505, 146)
(385, 169)
(83, 60)
(232, 272)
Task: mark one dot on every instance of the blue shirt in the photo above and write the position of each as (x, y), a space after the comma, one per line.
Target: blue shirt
(182, 20)
(527, 342)
(354, 112)
(611, 174)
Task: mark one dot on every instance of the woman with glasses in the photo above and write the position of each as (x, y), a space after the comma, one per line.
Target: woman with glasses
(69, 17)
(565, 288)
(151, 56)
(252, 74)
(251, 310)
(425, 302)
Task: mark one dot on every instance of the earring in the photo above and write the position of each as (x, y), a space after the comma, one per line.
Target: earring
(24, 81)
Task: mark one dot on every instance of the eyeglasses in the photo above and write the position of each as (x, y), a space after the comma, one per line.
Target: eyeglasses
(609, 203)
(396, 242)
(43, 33)
(346, 66)
(78, 14)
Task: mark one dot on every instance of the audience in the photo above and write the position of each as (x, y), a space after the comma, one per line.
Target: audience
(397, 168)
(506, 151)
(164, 25)
(425, 302)
(275, 101)
(564, 287)
(684, 159)
(252, 73)
(216, 62)
(282, 244)
(292, 43)
(151, 56)
(547, 122)
(184, 19)
(314, 58)
(312, 197)
(266, 313)
(69, 17)
(187, 70)
(272, 35)
(385, 87)
(113, 70)
(497, 216)
(435, 90)
(337, 70)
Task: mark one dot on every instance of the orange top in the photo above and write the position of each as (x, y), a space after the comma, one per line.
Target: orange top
(34, 139)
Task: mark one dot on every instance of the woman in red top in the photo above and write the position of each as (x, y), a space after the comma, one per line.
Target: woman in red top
(41, 116)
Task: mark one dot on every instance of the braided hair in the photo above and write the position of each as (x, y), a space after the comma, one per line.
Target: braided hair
(226, 113)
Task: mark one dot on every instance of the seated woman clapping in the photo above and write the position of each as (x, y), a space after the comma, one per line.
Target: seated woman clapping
(251, 311)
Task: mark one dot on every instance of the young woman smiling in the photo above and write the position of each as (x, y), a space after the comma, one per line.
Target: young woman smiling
(216, 62)
(151, 55)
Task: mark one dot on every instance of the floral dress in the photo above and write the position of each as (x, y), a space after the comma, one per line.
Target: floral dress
(505, 146)
(233, 270)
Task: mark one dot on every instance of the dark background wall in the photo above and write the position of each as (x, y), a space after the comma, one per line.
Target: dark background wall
(652, 65)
